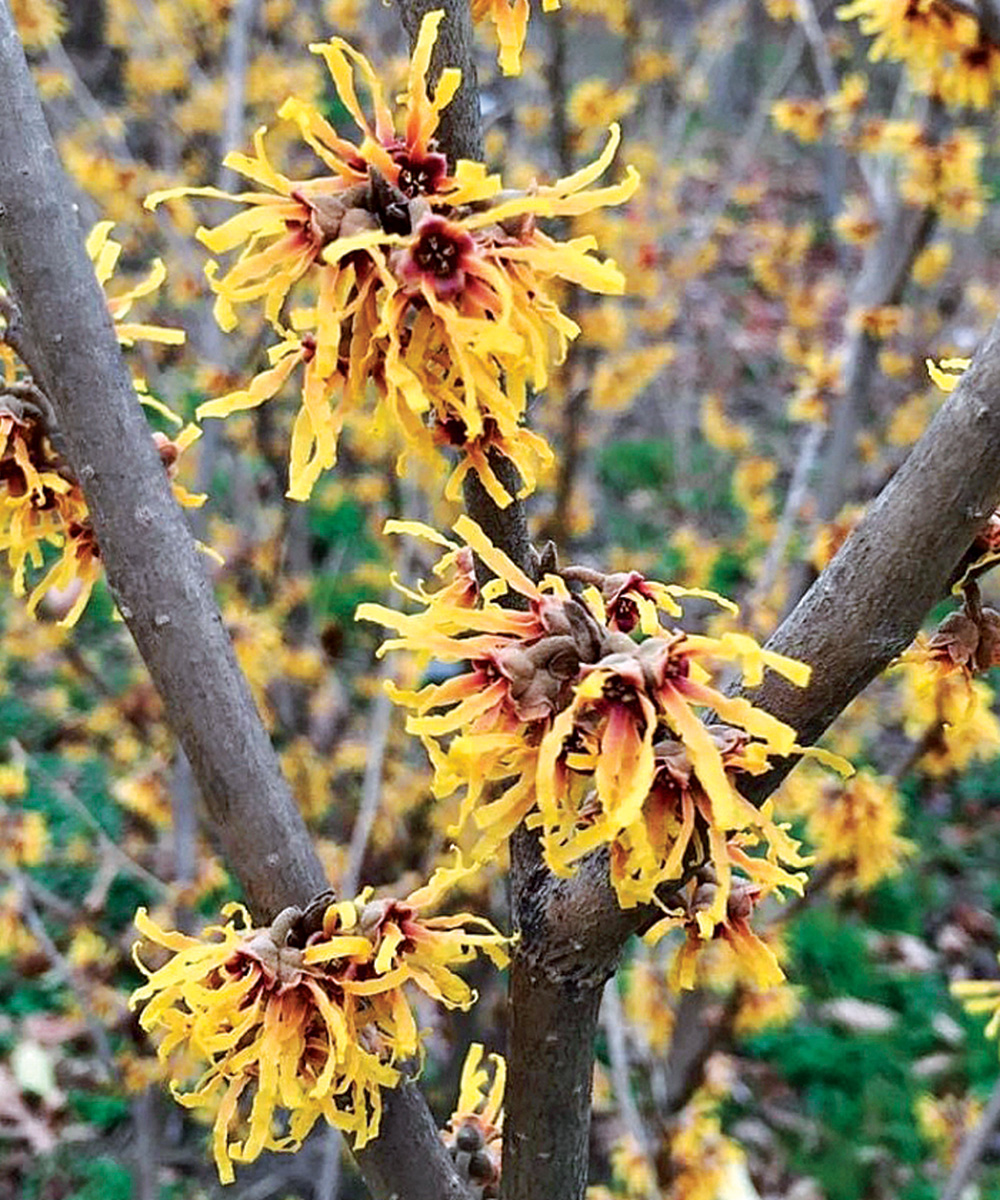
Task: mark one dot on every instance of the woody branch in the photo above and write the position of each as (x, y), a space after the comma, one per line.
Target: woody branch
(157, 576)
(858, 615)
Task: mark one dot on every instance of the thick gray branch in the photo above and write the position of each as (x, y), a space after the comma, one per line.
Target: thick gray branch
(153, 566)
(157, 574)
(870, 601)
(861, 612)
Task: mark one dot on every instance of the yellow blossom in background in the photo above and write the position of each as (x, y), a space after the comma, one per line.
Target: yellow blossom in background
(806, 119)
(648, 1002)
(89, 949)
(831, 536)
(721, 431)
(699, 553)
(39, 22)
(311, 1023)
(894, 364)
(957, 709)
(931, 263)
(849, 101)
(146, 795)
(878, 323)
(614, 15)
(819, 383)
(857, 224)
(704, 1162)
(948, 372)
(947, 176)
(25, 837)
(344, 15)
(910, 419)
(15, 940)
(649, 65)
(946, 1122)
(618, 380)
(751, 483)
(855, 829)
(593, 103)
(604, 325)
(13, 780)
(770, 1008)
(631, 1167)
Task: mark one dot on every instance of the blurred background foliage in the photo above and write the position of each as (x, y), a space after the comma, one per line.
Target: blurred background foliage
(812, 225)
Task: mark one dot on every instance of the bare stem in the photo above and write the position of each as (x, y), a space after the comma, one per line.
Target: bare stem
(973, 1148)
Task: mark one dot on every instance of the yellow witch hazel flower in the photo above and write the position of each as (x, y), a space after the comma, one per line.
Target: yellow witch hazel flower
(425, 304)
(510, 19)
(947, 373)
(561, 718)
(41, 502)
(474, 1131)
(314, 1024)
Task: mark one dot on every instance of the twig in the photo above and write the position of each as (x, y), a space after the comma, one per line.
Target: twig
(146, 1144)
(109, 847)
(64, 973)
(972, 1148)
(328, 1183)
(746, 149)
(184, 824)
(703, 1024)
(817, 44)
(798, 490)
(328, 1178)
(241, 21)
(613, 1020)
(84, 97)
(930, 736)
(698, 65)
(56, 905)
(371, 786)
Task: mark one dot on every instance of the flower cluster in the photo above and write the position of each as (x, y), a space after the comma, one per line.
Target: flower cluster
(562, 718)
(473, 1134)
(945, 48)
(429, 287)
(42, 502)
(254, 1020)
(946, 707)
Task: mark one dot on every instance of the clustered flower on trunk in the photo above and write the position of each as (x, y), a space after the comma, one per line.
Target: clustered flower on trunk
(43, 505)
(256, 1022)
(426, 303)
(581, 713)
